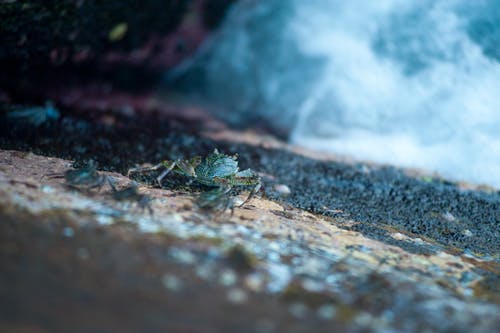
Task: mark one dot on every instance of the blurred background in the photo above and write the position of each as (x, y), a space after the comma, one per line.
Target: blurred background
(411, 83)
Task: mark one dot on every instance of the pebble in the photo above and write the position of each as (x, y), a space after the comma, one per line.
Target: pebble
(326, 312)
(312, 285)
(104, 220)
(171, 282)
(273, 256)
(467, 233)
(448, 217)
(298, 310)
(83, 253)
(205, 272)
(182, 256)
(237, 296)
(275, 246)
(68, 232)
(47, 189)
(399, 236)
(282, 189)
(364, 319)
(227, 278)
(254, 282)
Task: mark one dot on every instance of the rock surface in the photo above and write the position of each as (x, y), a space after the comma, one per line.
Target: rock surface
(79, 261)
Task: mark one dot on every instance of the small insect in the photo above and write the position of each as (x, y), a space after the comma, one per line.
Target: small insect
(131, 193)
(87, 177)
(216, 170)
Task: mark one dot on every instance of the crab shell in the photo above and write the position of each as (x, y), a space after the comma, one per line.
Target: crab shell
(216, 166)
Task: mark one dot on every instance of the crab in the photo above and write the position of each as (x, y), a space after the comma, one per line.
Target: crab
(216, 200)
(87, 177)
(131, 193)
(217, 170)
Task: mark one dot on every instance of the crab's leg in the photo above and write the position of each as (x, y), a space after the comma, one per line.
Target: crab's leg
(247, 177)
(100, 181)
(216, 199)
(252, 193)
(144, 203)
(153, 168)
(111, 183)
(165, 172)
(53, 175)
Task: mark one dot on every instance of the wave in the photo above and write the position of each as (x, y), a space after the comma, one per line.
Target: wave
(411, 83)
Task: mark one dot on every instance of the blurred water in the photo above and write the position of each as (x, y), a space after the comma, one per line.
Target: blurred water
(412, 83)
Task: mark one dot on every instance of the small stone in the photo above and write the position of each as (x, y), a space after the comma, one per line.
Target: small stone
(47, 189)
(364, 319)
(275, 246)
(326, 312)
(147, 225)
(418, 241)
(83, 253)
(399, 236)
(171, 282)
(298, 310)
(280, 275)
(467, 233)
(273, 256)
(204, 272)
(104, 220)
(176, 218)
(468, 277)
(182, 256)
(332, 279)
(237, 296)
(68, 232)
(448, 217)
(227, 278)
(468, 292)
(312, 285)
(311, 266)
(282, 189)
(364, 169)
(254, 282)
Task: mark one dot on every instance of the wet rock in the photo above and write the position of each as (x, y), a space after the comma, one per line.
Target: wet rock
(255, 270)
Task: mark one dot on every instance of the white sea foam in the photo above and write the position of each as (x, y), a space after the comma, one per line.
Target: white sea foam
(413, 83)
(444, 116)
